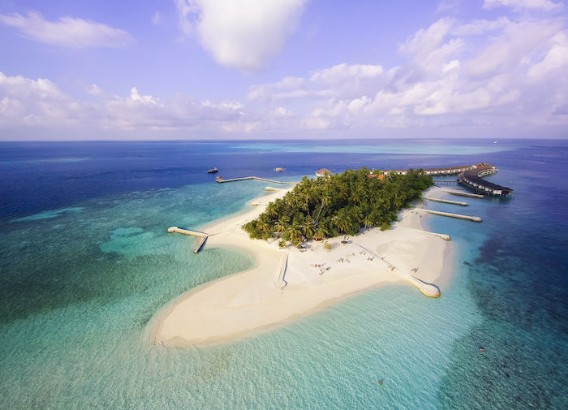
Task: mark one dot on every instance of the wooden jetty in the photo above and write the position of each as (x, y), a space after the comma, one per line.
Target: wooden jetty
(470, 176)
(445, 201)
(201, 235)
(438, 171)
(462, 193)
(473, 179)
(221, 180)
(451, 215)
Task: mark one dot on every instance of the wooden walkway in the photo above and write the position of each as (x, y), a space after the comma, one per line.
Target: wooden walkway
(462, 193)
(445, 201)
(220, 180)
(201, 235)
(450, 215)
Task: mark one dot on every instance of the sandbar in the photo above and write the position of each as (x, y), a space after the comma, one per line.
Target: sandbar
(287, 284)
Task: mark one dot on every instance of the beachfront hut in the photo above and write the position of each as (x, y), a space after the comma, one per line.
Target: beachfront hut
(323, 172)
(380, 176)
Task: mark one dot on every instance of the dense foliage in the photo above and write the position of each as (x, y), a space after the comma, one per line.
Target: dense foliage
(339, 204)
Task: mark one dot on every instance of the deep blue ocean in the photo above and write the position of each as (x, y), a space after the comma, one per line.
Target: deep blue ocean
(86, 263)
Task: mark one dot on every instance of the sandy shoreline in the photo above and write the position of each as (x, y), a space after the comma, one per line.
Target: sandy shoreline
(243, 304)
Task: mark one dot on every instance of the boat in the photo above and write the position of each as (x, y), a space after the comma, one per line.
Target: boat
(279, 169)
(212, 170)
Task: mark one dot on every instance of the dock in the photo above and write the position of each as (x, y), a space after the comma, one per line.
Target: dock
(221, 180)
(201, 235)
(473, 180)
(450, 215)
(462, 193)
(445, 201)
(469, 176)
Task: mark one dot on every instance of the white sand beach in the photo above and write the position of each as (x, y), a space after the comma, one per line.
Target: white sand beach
(240, 305)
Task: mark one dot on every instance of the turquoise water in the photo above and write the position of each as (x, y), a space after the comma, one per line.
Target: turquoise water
(119, 267)
(82, 282)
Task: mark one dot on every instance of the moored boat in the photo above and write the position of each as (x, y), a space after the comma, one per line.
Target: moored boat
(212, 170)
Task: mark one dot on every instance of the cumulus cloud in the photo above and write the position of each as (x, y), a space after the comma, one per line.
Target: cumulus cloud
(544, 5)
(26, 102)
(244, 34)
(502, 74)
(157, 18)
(486, 73)
(68, 32)
(38, 104)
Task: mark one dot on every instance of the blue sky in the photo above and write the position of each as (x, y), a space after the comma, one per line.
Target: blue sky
(252, 69)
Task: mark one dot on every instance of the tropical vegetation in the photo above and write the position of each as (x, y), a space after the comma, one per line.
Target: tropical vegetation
(340, 204)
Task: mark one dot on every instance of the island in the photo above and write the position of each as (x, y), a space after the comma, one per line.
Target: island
(314, 244)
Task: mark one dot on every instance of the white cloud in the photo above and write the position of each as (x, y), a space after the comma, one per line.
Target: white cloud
(555, 59)
(339, 81)
(507, 73)
(485, 73)
(94, 89)
(244, 34)
(480, 27)
(186, 9)
(157, 18)
(426, 41)
(67, 32)
(26, 102)
(445, 6)
(516, 44)
(343, 72)
(142, 99)
(545, 5)
(41, 106)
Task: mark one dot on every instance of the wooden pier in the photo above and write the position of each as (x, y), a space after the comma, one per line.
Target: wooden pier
(450, 215)
(469, 176)
(445, 201)
(462, 193)
(473, 179)
(220, 180)
(201, 235)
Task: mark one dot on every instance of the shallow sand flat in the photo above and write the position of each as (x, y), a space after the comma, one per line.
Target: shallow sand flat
(242, 304)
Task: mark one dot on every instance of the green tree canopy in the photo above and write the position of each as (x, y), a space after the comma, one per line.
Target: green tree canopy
(339, 204)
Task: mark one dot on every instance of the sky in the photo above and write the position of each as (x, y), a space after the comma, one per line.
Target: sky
(282, 69)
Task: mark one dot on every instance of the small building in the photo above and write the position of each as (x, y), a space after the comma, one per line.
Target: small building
(323, 172)
(380, 176)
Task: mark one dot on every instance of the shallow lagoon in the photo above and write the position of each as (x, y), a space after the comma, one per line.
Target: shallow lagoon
(86, 263)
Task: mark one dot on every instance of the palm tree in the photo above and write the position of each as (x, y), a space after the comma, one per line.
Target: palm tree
(281, 223)
(321, 232)
(367, 220)
(308, 228)
(294, 234)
